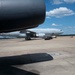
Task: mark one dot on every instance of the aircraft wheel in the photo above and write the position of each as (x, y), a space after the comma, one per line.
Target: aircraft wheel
(27, 38)
(48, 38)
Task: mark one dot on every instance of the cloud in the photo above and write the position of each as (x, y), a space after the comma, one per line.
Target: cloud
(70, 27)
(69, 1)
(59, 12)
(53, 24)
(48, 17)
(69, 30)
(62, 1)
(57, 1)
(74, 26)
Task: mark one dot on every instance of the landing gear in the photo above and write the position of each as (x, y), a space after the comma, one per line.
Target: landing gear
(48, 38)
(30, 35)
(27, 36)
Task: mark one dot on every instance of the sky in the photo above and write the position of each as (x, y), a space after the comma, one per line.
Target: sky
(60, 14)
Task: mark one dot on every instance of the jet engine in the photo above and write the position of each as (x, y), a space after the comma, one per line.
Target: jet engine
(21, 14)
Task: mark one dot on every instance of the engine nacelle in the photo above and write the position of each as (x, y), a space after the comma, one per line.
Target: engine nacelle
(21, 14)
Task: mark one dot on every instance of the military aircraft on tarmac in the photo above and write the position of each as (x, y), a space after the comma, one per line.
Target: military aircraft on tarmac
(45, 33)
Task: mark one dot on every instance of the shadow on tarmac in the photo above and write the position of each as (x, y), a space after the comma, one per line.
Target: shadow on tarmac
(8, 70)
(7, 62)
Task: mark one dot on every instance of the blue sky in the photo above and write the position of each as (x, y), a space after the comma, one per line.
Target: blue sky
(60, 14)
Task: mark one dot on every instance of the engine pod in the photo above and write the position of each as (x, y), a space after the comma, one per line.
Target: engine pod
(21, 14)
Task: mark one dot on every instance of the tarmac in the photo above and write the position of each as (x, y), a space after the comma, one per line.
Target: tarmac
(37, 56)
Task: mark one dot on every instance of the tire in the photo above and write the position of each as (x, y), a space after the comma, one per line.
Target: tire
(27, 38)
(48, 38)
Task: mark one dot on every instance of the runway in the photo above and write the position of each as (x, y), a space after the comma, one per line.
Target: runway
(48, 57)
